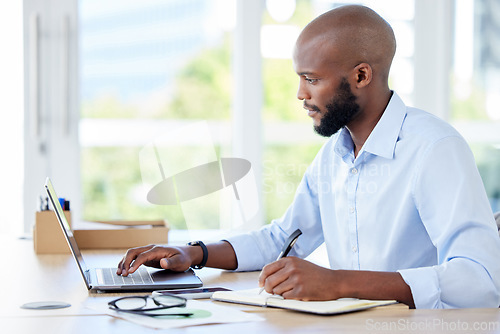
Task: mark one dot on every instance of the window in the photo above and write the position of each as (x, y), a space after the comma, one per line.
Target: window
(115, 76)
(475, 100)
(148, 69)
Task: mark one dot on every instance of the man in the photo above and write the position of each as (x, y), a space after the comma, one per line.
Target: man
(395, 194)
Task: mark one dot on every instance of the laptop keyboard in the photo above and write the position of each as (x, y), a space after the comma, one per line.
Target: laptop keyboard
(108, 276)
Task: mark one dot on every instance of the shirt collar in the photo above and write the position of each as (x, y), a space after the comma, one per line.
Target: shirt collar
(384, 136)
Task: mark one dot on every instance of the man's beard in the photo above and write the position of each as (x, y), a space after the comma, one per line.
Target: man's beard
(340, 111)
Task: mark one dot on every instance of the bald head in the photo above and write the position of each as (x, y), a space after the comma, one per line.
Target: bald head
(350, 35)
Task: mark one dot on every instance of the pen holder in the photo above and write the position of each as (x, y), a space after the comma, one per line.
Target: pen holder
(48, 236)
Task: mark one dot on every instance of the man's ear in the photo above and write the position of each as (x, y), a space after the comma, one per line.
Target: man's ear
(363, 75)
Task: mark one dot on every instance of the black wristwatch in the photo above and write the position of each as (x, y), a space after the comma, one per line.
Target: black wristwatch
(205, 253)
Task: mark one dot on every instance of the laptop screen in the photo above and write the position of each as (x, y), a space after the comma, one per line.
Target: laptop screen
(66, 228)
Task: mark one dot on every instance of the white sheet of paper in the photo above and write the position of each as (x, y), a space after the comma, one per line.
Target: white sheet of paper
(219, 315)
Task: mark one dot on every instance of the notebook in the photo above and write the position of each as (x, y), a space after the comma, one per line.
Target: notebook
(339, 306)
(106, 279)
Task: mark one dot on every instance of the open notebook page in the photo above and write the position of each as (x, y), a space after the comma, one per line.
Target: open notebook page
(252, 297)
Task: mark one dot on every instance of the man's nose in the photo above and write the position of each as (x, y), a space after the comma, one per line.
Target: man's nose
(302, 92)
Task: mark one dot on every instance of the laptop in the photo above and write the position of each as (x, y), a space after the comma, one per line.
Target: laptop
(106, 279)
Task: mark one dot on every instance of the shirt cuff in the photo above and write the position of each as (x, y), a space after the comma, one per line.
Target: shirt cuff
(247, 252)
(424, 286)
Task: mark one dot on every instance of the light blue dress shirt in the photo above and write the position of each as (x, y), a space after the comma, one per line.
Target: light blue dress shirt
(412, 201)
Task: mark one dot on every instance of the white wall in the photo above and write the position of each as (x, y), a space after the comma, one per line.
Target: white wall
(11, 116)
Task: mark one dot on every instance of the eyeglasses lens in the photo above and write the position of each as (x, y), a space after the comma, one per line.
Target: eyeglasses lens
(130, 303)
(169, 301)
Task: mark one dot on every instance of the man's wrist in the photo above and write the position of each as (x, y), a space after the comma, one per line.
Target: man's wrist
(197, 261)
(343, 282)
(195, 254)
(374, 285)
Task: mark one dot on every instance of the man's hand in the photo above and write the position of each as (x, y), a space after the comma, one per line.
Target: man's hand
(220, 255)
(173, 258)
(294, 278)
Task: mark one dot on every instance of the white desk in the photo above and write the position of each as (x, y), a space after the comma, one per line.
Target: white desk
(56, 277)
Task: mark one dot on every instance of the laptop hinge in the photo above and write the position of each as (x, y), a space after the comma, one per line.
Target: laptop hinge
(87, 276)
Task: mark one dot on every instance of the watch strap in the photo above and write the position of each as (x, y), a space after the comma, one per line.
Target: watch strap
(205, 254)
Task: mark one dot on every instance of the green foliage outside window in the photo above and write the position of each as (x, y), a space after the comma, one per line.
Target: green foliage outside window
(202, 91)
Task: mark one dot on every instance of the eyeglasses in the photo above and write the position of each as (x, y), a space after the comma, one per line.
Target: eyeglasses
(137, 305)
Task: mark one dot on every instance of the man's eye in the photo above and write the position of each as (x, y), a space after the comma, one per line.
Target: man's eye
(311, 80)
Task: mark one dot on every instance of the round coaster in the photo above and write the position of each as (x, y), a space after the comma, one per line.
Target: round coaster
(48, 305)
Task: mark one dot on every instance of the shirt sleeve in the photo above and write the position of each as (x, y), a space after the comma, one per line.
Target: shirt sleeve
(453, 206)
(256, 249)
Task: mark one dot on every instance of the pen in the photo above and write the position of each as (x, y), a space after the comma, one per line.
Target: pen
(292, 239)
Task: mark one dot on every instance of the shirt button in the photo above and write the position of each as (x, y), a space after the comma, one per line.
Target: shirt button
(354, 249)
(351, 210)
(354, 171)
